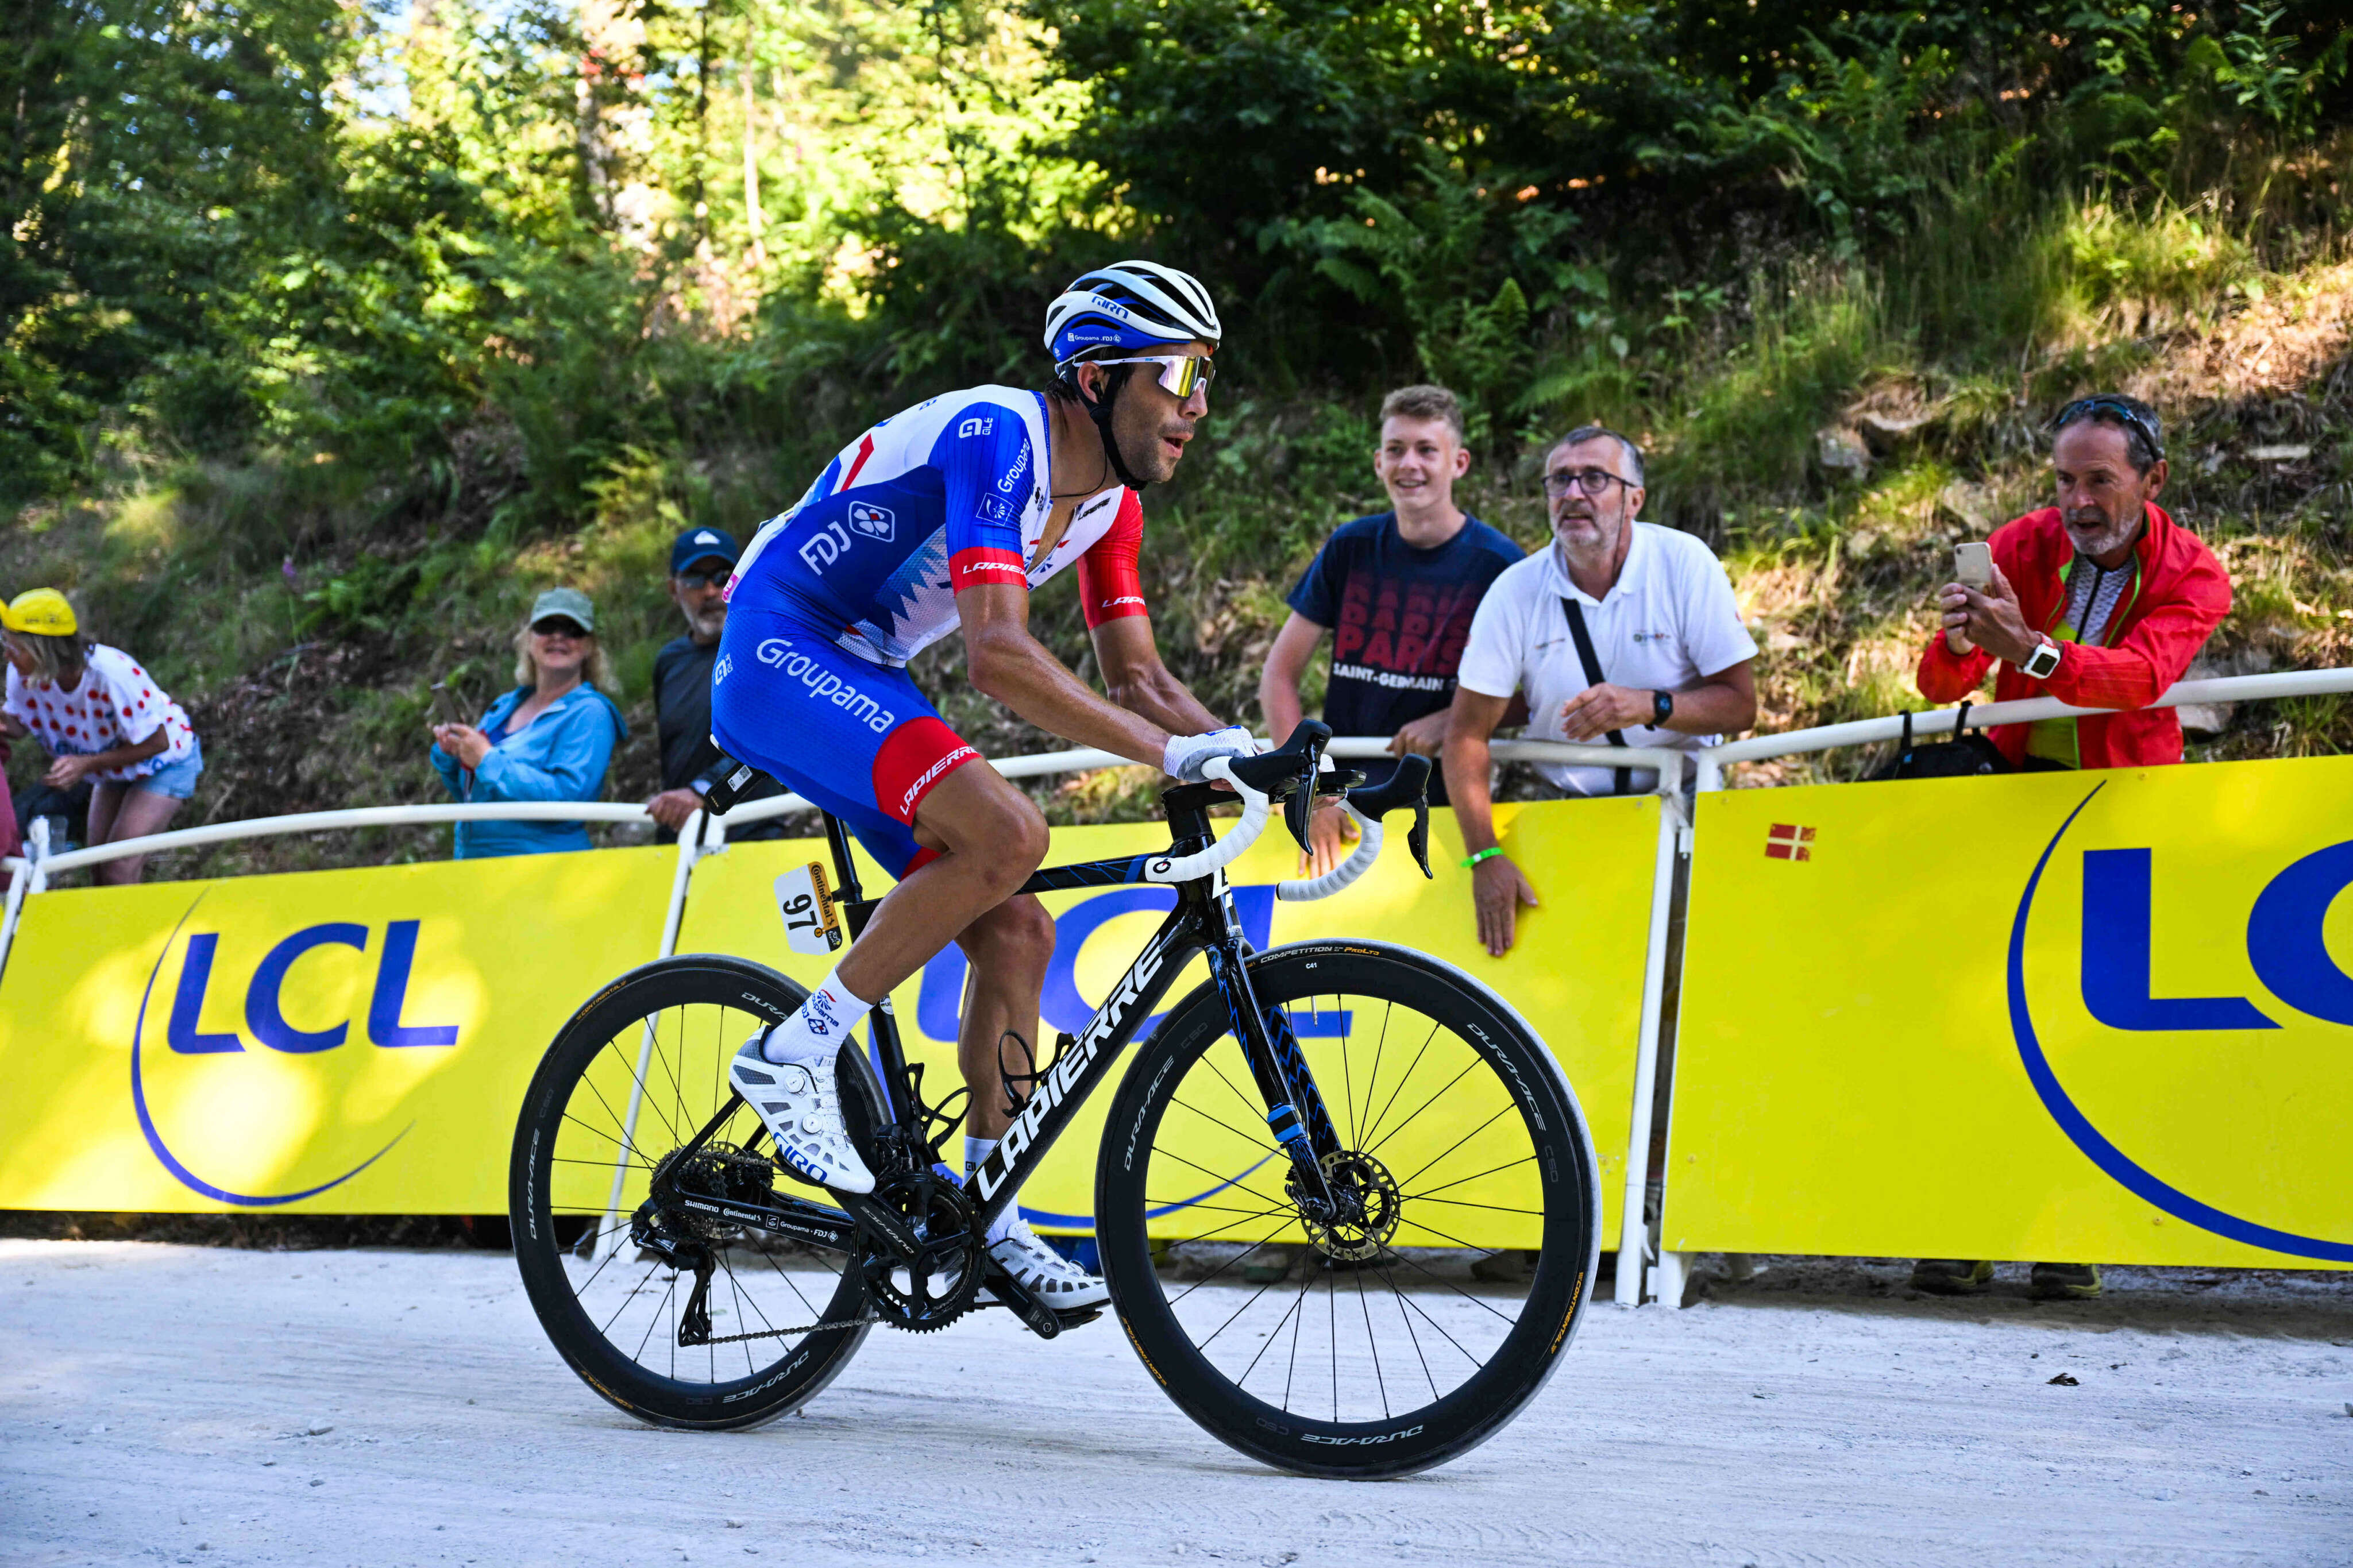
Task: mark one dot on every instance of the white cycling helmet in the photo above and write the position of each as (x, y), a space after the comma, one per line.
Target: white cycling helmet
(1131, 305)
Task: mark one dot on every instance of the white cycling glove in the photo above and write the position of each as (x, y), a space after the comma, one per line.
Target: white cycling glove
(1187, 754)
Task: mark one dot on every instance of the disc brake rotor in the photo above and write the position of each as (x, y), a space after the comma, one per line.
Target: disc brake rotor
(1368, 1207)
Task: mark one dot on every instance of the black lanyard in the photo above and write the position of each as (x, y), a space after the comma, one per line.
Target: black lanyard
(1621, 780)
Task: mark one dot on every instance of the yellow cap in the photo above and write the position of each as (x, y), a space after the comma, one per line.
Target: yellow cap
(41, 610)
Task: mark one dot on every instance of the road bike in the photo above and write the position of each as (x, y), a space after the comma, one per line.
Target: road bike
(1285, 1176)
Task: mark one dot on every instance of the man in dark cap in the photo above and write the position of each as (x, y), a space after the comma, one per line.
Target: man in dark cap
(700, 561)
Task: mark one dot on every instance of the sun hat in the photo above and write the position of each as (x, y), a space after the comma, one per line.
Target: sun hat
(570, 602)
(43, 611)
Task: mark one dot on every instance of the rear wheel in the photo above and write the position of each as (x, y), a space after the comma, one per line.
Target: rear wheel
(688, 1324)
(1418, 1323)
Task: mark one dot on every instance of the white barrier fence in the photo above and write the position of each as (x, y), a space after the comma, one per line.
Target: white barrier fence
(1644, 1272)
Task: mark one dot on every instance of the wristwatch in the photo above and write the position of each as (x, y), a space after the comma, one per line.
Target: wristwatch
(1662, 708)
(2043, 661)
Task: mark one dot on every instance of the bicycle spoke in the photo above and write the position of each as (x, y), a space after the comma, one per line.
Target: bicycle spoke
(1387, 1009)
(1492, 1170)
(1408, 1079)
(1237, 1131)
(1426, 1165)
(1372, 1344)
(1474, 1063)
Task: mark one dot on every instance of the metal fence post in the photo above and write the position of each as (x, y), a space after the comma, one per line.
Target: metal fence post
(1633, 1234)
(26, 874)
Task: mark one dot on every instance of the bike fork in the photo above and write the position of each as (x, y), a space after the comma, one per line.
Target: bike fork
(1296, 1113)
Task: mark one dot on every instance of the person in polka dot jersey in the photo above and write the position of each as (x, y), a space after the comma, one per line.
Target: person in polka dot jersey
(100, 717)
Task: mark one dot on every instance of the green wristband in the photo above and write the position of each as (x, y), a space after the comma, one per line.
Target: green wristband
(1471, 860)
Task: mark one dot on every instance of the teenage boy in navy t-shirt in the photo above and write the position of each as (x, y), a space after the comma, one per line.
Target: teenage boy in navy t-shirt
(1397, 590)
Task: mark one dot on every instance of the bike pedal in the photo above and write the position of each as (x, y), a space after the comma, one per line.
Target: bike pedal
(1076, 1315)
(1042, 1319)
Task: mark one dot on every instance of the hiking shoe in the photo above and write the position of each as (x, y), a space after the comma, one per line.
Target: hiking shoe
(796, 1103)
(1952, 1276)
(2067, 1281)
(1046, 1273)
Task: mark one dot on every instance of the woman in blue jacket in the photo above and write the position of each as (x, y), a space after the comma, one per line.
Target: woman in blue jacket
(550, 739)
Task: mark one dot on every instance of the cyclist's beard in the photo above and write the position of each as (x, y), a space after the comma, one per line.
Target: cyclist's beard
(1142, 442)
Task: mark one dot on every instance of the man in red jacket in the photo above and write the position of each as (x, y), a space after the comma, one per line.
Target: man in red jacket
(2102, 601)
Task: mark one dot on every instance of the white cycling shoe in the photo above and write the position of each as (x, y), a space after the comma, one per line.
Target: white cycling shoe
(798, 1106)
(1046, 1273)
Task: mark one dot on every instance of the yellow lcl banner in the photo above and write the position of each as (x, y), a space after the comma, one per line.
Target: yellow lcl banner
(358, 1042)
(2100, 1017)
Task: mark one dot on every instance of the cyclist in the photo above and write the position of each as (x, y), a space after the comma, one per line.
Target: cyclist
(943, 519)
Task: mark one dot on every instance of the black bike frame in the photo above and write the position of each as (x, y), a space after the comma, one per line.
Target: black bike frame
(1203, 921)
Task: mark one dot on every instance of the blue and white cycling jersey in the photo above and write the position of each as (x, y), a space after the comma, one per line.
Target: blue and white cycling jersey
(952, 492)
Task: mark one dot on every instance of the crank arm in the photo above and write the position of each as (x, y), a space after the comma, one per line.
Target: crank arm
(892, 1229)
(1042, 1318)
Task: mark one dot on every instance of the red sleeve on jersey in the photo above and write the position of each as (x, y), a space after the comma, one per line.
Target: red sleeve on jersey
(1109, 583)
(978, 564)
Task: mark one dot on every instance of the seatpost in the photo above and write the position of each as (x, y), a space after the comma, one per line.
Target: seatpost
(845, 874)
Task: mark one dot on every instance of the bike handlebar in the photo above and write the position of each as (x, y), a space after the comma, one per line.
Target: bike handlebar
(1258, 810)
(1287, 773)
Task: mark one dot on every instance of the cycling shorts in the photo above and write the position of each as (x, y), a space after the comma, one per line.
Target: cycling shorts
(853, 736)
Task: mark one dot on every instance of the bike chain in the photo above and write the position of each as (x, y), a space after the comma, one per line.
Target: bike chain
(780, 1334)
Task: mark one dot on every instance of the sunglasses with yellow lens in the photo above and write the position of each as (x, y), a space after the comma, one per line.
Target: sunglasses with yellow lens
(1180, 374)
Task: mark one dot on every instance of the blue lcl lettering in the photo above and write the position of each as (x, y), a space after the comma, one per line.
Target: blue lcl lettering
(265, 1012)
(2283, 936)
(2116, 955)
(391, 995)
(188, 1003)
(264, 1015)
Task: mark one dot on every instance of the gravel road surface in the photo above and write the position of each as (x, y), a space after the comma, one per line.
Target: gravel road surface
(202, 1406)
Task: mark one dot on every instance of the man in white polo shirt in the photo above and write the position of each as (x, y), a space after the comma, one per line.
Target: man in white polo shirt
(1622, 629)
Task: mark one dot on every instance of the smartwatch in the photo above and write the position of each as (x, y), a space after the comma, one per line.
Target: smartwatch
(1662, 708)
(2043, 661)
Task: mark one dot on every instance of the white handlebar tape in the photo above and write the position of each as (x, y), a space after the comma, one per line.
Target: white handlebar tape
(1368, 849)
(1256, 812)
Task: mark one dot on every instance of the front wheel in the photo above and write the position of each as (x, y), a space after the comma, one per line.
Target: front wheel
(1418, 1328)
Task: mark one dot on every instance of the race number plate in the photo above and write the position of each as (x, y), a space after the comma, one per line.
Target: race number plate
(806, 900)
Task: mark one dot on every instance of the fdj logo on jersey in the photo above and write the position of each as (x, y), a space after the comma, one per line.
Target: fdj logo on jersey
(302, 999)
(2164, 1061)
(874, 522)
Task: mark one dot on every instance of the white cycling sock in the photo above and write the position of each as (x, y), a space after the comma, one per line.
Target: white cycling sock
(976, 1150)
(820, 1028)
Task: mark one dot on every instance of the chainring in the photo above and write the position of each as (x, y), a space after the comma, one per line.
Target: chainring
(1369, 1207)
(943, 1288)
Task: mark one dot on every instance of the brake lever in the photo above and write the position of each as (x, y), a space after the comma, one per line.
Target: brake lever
(1409, 784)
(1290, 771)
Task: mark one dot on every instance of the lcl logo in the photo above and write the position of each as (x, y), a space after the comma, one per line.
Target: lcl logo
(2284, 944)
(265, 1021)
(264, 1011)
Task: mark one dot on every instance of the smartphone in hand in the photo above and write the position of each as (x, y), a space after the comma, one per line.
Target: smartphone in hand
(1973, 566)
(446, 710)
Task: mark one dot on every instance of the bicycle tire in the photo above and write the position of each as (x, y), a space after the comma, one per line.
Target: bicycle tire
(1560, 1168)
(545, 1230)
